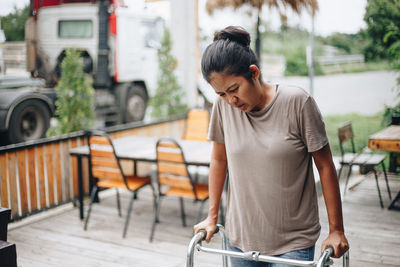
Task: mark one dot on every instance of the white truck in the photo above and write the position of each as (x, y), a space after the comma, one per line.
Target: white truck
(118, 46)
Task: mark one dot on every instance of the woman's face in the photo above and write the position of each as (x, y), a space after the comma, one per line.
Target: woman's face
(237, 91)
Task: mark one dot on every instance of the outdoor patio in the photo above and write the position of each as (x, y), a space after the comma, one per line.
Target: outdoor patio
(57, 238)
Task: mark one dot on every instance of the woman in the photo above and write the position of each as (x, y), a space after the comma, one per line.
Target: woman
(268, 135)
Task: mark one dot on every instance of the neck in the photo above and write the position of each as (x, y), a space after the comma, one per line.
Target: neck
(267, 95)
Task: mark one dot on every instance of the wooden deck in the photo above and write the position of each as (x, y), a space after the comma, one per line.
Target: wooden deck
(59, 240)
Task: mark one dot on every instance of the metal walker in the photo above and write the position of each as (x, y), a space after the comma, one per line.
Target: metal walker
(195, 244)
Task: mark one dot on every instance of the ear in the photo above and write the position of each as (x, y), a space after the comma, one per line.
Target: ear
(255, 71)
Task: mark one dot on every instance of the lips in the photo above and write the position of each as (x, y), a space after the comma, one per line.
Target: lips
(241, 107)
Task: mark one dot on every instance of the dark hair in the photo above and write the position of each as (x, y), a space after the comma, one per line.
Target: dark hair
(230, 54)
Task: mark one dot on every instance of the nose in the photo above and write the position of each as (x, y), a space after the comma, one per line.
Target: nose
(233, 100)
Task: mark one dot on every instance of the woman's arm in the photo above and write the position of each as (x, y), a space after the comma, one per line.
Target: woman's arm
(331, 191)
(216, 182)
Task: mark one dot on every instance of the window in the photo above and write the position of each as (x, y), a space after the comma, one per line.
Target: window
(75, 29)
(151, 31)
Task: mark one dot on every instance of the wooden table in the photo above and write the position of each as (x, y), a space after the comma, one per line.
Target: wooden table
(143, 149)
(387, 139)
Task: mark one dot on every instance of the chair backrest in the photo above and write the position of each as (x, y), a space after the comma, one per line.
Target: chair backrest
(197, 125)
(345, 133)
(104, 163)
(171, 165)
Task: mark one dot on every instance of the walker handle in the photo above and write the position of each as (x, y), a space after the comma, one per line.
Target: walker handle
(197, 238)
(331, 250)
(204, 233)
(324, 259)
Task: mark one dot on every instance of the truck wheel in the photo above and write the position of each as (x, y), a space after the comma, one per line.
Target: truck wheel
(135, 104)
(29, 120)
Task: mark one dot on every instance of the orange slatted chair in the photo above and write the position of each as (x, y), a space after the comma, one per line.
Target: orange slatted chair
(197, 125)
(106, 172)
(369, 161)
(196, 129)
(174, 179)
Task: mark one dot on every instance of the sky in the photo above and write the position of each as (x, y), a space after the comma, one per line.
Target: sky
(344, 16)
(333, 16)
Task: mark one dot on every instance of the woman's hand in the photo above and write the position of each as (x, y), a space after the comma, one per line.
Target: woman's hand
(338, 241)
(209, 225)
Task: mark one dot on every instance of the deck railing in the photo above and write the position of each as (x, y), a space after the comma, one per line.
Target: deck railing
(39, 175)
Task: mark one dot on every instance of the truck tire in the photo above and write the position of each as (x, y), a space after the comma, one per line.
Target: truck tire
(29, 121)
(136, 103)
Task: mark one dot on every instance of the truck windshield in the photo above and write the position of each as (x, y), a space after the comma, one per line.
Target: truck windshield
(75, 29)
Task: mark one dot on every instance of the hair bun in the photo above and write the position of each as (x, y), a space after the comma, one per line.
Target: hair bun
(235, 34)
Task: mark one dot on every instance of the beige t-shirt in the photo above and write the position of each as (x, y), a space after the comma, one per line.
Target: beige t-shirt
(272, 203)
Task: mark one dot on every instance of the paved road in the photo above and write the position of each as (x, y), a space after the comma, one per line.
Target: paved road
(364, 93)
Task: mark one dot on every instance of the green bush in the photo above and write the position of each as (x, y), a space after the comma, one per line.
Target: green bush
(296, 63)
(347, 43)
(75, 97)
(14, 24)
(168, 99)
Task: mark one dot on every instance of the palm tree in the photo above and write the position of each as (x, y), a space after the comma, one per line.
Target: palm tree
(281, 5)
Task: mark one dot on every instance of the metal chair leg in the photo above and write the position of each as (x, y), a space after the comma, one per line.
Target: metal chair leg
(347, 179)
(182, 212)
(340, 172)
(92, 197)
(155, 220)
(154, 195)
(118, 203)
(128, 215)
(387, 182)
(377, 186)
(393, 204)
(198, 217)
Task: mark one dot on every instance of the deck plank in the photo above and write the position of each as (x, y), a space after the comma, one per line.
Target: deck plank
(59, 240)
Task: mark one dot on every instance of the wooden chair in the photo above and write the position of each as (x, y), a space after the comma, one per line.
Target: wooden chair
(174, 179)
(368, 161)
(106, 172)
(196, 127)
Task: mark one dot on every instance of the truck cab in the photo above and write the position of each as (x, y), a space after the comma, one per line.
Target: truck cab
(118, 46)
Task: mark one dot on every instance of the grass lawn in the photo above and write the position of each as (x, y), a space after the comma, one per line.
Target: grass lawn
(363, 127)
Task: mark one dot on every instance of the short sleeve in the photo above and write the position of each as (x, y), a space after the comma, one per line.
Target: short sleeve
(216, 130)
(312, 126)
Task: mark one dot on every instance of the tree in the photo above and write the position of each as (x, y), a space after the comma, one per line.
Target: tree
(280, 5)
(75, 97)
(349, 43)
(168, 98)
(14, 24)
(383, 30)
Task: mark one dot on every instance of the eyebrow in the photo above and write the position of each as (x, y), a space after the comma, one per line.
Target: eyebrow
(227, 89)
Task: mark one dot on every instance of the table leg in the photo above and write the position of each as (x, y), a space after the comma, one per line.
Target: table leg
(135, 173)
(80, 187)
(134, 168)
